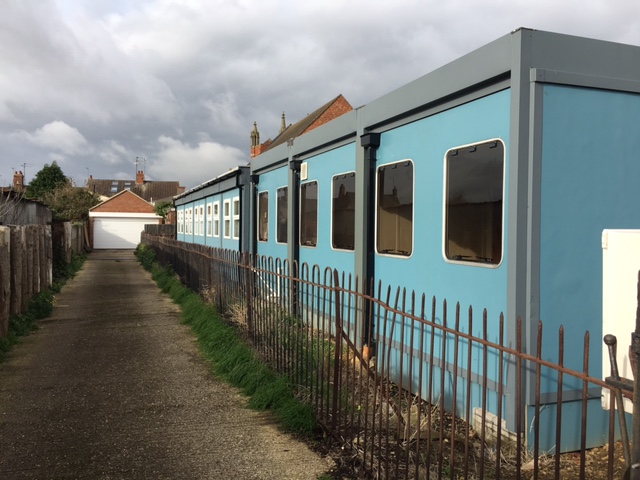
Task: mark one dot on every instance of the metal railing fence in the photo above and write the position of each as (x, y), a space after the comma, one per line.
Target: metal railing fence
(411, 387)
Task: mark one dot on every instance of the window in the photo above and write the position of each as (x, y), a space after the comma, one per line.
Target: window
(188, 225)
(114, 186)
(226, 218)
(309, 214)
(180, 221)
(195, 223)
(201, 220)
(473, 212)
(394, 209)
(263, 216)
(216, 219)
(282, 203)
(343, 205)
(236, 218)
(209, 220)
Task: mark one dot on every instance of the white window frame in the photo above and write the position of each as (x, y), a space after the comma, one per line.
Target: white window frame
(209, 219)
(332, 229)
(236, 218)
(181, 220)
(226, 218)
(201, 220)
(277, 214)
(188, 221)
(216, 219)
(265, 219)
(445, 192)
(302, 213)
(413, 210)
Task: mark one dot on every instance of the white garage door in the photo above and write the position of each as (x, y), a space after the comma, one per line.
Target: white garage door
(118, 232)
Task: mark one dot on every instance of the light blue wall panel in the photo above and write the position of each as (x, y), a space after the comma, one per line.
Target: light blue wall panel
(590, 174)
(426, 142)
(322, 168)
(270, 182)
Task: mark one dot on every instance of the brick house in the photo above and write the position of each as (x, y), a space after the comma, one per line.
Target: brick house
(150, 190)
(116, 223)
(327, 112)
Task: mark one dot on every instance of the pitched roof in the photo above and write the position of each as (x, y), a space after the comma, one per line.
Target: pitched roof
(120, 203)
(151, 191)
(301, 127)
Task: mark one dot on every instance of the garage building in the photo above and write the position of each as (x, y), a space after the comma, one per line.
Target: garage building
(117, 222)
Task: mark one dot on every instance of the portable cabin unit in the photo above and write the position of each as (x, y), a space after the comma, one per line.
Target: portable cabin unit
(217, 212)
(316, 225)
(488, 182)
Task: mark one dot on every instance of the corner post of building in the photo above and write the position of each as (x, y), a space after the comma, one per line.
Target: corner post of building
(252, 223)
(293, 214)
(365, 224)
(252, 248)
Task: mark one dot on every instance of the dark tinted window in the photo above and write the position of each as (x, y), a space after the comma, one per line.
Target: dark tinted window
(473, 216)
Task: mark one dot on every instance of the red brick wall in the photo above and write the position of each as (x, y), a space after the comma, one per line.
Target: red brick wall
(126, 202)
(337, 109)
(257, 150)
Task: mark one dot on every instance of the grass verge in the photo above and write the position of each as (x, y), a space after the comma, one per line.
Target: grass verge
(230, 357)
(40, 306)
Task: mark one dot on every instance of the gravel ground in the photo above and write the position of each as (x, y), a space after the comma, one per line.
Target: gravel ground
(113, 386)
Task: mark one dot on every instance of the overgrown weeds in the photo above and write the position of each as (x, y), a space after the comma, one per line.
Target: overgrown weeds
(40, 306)
(230, 357)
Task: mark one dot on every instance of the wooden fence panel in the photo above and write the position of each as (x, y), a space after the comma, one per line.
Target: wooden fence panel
(17, 269)
(5, 280)
(26, 268)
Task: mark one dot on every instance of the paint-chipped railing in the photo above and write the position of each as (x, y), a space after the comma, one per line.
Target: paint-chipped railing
(413, 387)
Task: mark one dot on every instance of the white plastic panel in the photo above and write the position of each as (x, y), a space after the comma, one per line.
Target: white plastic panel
(621, 263)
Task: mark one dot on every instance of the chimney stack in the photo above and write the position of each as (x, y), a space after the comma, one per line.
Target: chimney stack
(18, 181)
(139, 177)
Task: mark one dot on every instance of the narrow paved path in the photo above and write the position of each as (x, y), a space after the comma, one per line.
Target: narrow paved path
(112, 386)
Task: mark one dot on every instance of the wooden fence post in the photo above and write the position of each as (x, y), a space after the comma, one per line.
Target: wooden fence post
(27, 267)
(35, 254)
(5, 280)
(49, 254)
(16, 270)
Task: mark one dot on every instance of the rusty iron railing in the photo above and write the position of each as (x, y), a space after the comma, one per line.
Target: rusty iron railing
(415, 387)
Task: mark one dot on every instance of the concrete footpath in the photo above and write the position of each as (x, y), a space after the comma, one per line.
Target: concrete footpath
(113, 386)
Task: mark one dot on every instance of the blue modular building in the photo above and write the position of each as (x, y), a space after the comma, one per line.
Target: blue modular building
(487, 182)
(216, 212)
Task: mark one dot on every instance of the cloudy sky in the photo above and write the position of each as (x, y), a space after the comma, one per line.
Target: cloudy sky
(95, 84)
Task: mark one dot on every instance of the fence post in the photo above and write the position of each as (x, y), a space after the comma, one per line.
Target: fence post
(634, 357)
(248, 274)
(16, 270)
(5, 280)
(338, 350)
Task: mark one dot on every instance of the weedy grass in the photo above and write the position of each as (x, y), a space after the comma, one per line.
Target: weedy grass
(231, 358)
(40, 305)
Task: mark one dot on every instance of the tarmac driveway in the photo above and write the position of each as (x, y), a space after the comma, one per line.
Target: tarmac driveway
(113, 386)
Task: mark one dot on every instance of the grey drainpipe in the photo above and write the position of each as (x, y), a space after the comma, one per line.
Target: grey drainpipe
(252, 242)
(293, 226)
(369, 142)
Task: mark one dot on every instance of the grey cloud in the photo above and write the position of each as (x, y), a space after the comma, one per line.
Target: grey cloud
(181, 83)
